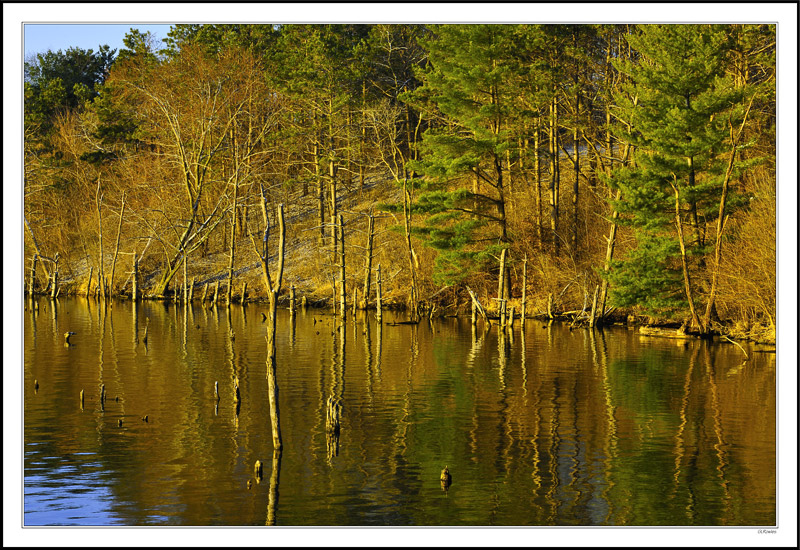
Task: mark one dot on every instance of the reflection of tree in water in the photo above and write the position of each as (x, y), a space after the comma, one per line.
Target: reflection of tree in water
(336, 392)
(274, 482)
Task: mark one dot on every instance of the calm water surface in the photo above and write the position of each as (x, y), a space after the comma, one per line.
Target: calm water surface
(544, 426)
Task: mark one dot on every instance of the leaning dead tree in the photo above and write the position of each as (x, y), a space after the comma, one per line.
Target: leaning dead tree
(273, 289)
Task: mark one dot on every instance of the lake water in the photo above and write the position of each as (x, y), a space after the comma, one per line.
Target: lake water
(541, 427)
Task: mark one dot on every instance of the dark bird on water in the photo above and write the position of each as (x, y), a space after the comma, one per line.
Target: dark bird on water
(67, 335)
(446, 477)
(144, 418)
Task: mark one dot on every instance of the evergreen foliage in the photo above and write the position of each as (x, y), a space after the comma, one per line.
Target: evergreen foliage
(679, 105)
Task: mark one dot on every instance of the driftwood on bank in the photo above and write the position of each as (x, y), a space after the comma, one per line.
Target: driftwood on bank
(665, 332)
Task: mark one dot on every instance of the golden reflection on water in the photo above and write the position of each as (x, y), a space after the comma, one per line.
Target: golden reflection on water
(554, 427)
(680, 446)
(719, 443)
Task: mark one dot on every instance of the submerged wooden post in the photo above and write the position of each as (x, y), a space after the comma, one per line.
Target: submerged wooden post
(216, 291)
(258, 471)
(205, 294)
(81, 399)
(135, 291)
(379, 305)
(216, 390)
(510, 317)
(594, 307)
(355, 300)
(550, 305)
(524, 306)
(191, 289)
(303, 302)
(292, 299)
(244, 292)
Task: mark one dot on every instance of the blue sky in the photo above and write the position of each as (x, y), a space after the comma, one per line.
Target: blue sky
(42, 37)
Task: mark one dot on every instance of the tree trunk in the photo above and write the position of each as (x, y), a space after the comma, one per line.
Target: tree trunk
(32, 287)
(686, 278)
(36, 247)
(577, 169)
(100, 272)
(553, 146)
(272, 382)
(342, 276)
(116, 249)
(721, 219)
(524, 307)
(368, 266)
(611, 241)
(537, 170)
(501, 287)
(232, 255)
(378, 297)
(135, 291)
(320, 196)
(412, 264)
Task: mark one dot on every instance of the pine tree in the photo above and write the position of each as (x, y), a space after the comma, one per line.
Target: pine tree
(681, 107)
(468, 88)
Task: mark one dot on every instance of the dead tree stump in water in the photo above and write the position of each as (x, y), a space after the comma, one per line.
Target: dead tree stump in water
(205, 294)
(258, 471)
(216, 292)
